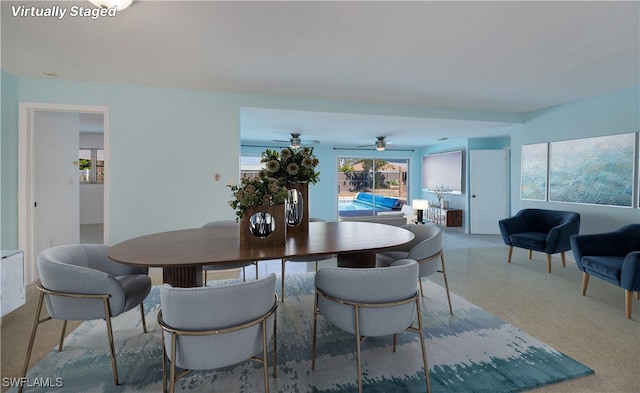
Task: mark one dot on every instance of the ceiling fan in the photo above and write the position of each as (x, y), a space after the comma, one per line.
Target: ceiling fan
(380, 144)
(295, 141)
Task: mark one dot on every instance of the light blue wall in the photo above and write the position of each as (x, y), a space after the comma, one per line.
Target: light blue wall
(609, 114)
(168, 144)
(9, 160)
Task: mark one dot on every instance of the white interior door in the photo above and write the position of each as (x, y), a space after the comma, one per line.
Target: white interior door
(56, 190)
(488, 183)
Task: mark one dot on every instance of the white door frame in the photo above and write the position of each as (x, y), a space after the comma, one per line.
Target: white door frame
(26, 175)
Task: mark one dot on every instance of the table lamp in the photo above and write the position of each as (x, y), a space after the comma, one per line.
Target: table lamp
(420, 205)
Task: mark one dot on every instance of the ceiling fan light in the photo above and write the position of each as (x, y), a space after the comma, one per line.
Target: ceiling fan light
(119, 4)
(295, 143)
(380, 145)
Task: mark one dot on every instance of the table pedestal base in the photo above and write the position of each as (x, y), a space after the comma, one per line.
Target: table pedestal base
(185, 277)
(357, 259)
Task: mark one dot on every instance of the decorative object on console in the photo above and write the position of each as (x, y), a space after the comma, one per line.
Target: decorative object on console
(440, 190)
(420, 205)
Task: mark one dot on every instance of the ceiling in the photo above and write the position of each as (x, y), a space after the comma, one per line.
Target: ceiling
(512, 57)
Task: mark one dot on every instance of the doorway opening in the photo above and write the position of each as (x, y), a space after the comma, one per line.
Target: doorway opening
(47, 218)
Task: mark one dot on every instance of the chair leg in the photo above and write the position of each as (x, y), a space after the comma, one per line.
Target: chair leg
(548, 263)
(585, 282)
(628, 302)
(421, 291)
(256, 270)
(265, 363)
(144, 321)
(510, 253)
(275, 344)
(282, 279)
(64, 328)
(446, 282)
(204, 284)
(114, 365)
(244, 274)
(422, 345)
(36, 322)
(530, 253)
(564, 263)
(358, 358)
(638, 295)
(395, 341)
(315, 325)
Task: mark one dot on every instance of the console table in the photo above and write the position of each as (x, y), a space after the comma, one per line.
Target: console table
(445, 217)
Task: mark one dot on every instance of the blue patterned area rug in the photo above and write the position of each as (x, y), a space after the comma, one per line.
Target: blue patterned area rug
(470, 351)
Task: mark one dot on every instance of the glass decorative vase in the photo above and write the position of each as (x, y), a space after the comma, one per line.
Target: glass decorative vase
(297, 208)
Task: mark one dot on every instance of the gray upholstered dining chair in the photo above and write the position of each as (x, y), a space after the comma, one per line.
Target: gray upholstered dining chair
(370, 302)
(426, 248)
(206, 328)
(80, 282)
(231, 225)
(315, 258)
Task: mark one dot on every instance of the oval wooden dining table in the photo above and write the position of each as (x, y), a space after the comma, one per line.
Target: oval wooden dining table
(182, 253)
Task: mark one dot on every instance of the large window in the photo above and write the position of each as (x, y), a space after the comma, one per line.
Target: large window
(91, 166)
(374, 178)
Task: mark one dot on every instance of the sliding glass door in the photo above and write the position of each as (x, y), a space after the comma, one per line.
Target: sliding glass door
(367, 186)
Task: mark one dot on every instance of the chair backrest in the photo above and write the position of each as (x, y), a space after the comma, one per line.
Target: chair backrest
(543, 220)
(369, 286)
(631, 233)
(379, 219)
(82, 269)
(217, 307)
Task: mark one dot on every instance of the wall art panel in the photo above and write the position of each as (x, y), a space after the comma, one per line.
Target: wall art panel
(533, 184)
(595, 171)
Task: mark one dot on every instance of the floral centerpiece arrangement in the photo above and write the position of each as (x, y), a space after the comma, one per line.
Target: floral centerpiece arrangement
(257, 191)
(291, 165)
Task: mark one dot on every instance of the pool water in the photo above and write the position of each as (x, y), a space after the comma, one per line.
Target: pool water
(353, 205)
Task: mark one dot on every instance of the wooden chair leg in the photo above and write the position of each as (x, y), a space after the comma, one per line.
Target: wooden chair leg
(530, 254)
(510, 253)
(638, 295)
(585, 282)
(628, 302)
(548, 263)
(564, 262)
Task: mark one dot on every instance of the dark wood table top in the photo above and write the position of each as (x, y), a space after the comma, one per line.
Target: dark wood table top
(204, 246)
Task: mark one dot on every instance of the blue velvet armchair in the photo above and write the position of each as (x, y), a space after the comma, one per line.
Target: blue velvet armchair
(613, 257)
(547, 231)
